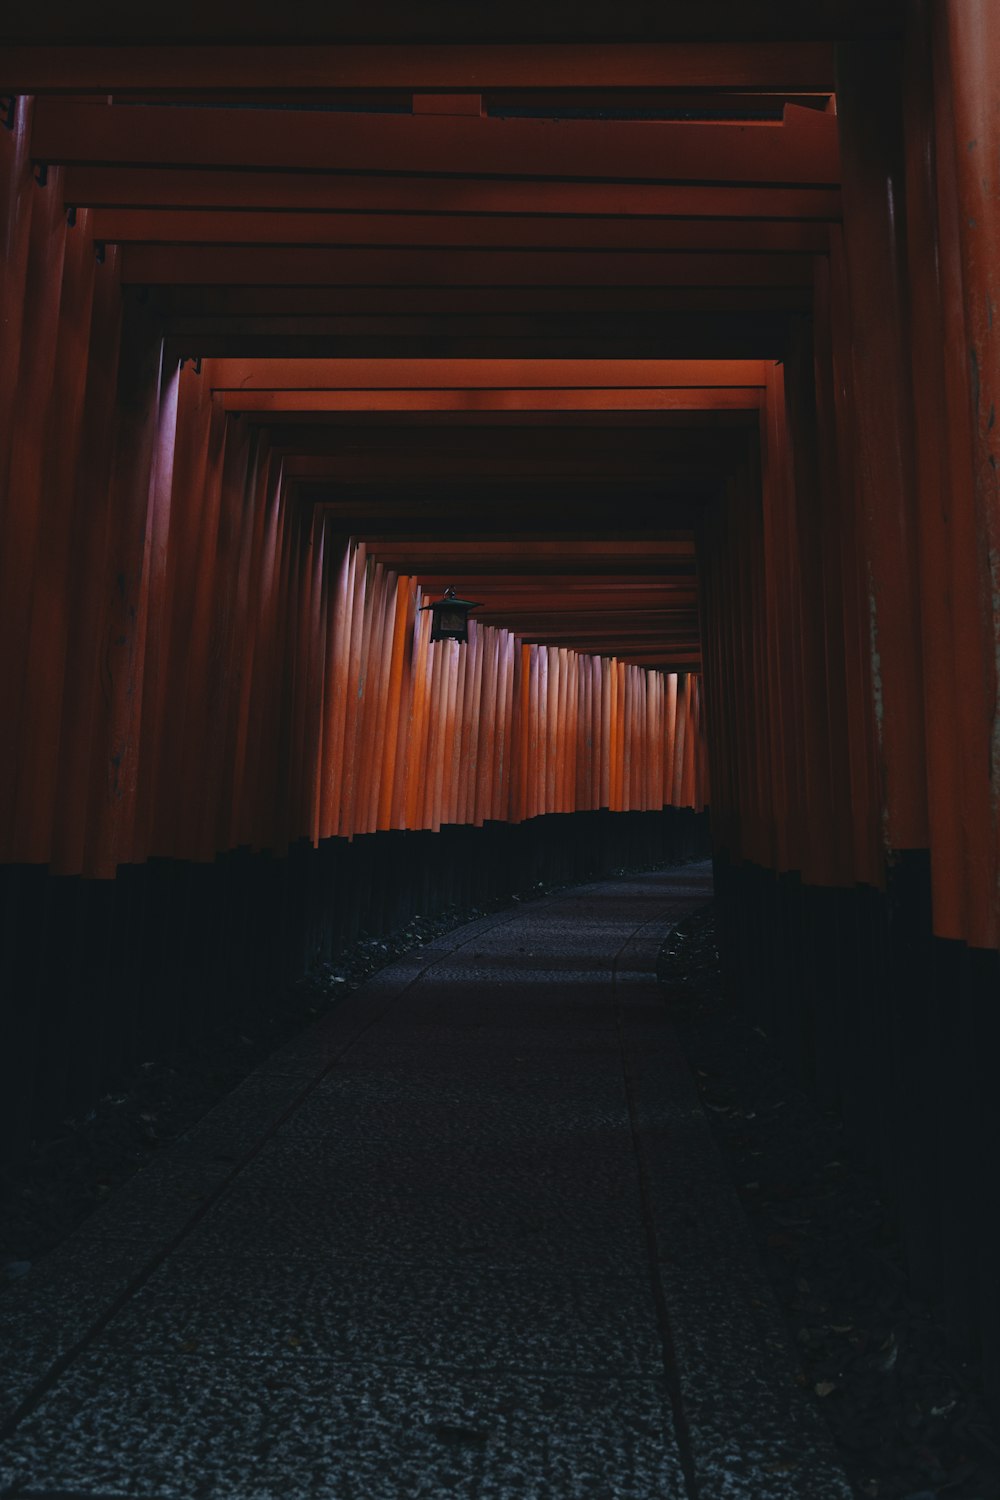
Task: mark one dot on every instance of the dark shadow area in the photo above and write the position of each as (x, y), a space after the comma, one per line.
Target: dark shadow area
(903, 1398)
(388, 894)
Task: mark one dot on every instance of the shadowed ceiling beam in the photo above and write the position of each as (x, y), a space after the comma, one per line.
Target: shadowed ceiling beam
(788, 65)
(177, 188)
(800, 151)
(289, 267)
(205, 227)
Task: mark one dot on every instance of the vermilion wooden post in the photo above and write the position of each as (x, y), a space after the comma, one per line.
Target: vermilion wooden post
(45, 641)
(210, 566)
(418, 720)
(393, 729)
(437, 703)
(354, 679)
(487, 727)
(382, 585)
(680, 740)
(83, 701)
(524, 756)
(275, 833)
(536, 746)
(669, 737)
(815, 615)
(968, 63)
(475, 652)
(135, 564)
(22, 517)
(869, 113)
(867, 799)
(573, 799)
(18, 194)
(446, 764)
(690, 744)
(312, 767)
(228, 610)
(832, 519)
(551, 722)
(777, 625)
(504, 701)
(342, 560)
(169, 718)
(408, 631)
(940, 508)
(292, 749)
(244, 631)
(458, 720)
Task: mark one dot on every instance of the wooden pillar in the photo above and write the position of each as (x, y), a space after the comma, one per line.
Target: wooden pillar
(882, 437)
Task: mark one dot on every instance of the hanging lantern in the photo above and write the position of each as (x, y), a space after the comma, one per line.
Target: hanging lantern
(450, 617)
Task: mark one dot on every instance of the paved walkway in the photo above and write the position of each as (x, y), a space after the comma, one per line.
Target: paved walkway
(467, 1237)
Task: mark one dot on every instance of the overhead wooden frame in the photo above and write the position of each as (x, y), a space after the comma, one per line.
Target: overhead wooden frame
(428, 197)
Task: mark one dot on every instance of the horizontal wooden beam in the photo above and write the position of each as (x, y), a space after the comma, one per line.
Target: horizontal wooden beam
(177, 188)
(463, 399)
(486, 374)
(118, 69)
(376, 231)
(318, 141)
(281, 266)
(399, 22)
(566, 552)
(220, 300)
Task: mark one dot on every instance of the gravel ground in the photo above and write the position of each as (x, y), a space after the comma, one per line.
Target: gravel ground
(903, 1407)
(73, 1170)
(70, 1173)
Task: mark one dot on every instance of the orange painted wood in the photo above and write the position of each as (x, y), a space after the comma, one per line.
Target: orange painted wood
(304, 140)
(22, 511)
(407, 619)
(449, 768)
(134, 585)
(432, 746)
(865, 768)
(370, 375)
(341, 564)
(965, 50)
(88, 546)
(48, 626)
(394, 704)
(272, 403)
(418, 721)
(375, 689)
(873, 180)
(354, 678)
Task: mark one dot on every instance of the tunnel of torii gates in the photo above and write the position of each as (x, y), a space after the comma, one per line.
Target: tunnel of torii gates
(677, 355)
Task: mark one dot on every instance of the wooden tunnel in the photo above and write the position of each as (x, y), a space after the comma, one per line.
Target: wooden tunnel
(669, 338)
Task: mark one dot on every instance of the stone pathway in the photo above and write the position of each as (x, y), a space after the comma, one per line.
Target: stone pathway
(469, 1236)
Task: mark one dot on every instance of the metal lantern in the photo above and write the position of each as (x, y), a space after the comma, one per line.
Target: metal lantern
(450, 617)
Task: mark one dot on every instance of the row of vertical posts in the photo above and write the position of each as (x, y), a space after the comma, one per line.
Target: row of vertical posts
(406, 733)
(195, 661)
(851, 619)
(852, 600)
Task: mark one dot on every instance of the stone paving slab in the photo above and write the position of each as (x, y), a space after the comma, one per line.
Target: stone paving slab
(468, 1236)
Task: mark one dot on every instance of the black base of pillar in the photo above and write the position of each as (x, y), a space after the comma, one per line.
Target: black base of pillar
(900, 1032)
(99, 976)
